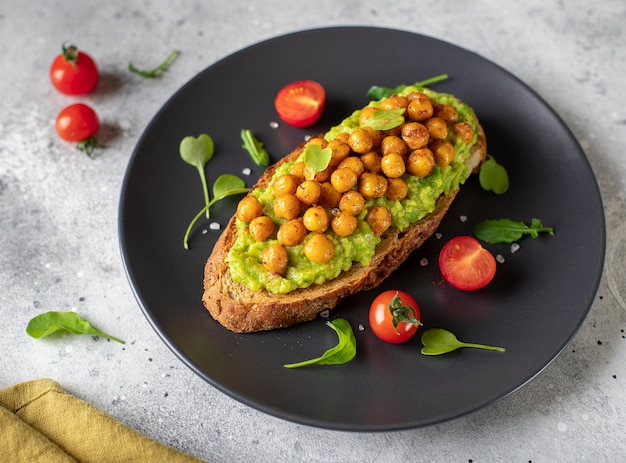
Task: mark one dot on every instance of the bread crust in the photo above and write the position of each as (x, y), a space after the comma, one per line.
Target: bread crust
(242, 310)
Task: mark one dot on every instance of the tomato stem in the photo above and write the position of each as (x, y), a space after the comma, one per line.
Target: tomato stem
(88, 146)
(70, 53)
(402, 313)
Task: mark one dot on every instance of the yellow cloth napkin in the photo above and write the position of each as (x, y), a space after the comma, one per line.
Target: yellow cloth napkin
(40, 422)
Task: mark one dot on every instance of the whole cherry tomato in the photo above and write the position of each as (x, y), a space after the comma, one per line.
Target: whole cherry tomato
(74, 72)
(394, 316)
(300, 103)
(465, 264)
(77, 122)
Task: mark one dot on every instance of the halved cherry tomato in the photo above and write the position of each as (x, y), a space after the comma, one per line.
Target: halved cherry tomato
(77, 122)
(300, 103)
(74, 72)
(394, 307)
(465, 264)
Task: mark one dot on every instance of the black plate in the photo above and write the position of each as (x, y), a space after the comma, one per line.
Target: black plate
(539, 298)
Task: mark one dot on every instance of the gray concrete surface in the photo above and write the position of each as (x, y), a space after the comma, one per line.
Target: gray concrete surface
(58, 221)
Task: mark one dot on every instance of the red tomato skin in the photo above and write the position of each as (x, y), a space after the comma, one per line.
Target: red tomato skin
(300, 103)
(380, 318)
(465, 264)
(77, 122)
(75, 79)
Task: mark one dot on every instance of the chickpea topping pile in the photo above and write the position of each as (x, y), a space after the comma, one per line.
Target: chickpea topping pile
(365, 164)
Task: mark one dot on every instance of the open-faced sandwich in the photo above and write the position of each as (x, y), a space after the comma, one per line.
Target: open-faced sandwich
(342, 211)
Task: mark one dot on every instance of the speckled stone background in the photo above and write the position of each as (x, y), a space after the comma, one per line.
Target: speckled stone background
(58, 220)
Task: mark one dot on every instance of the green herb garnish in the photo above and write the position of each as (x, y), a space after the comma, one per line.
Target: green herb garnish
(493, 176)
(509, 231)
(316, 158)
(197, 152)
(343, 352)
(225, 185)
(377, 92)
(157, 70)
(385, 119)
(438, 341)
(255, 148)
(48, 323)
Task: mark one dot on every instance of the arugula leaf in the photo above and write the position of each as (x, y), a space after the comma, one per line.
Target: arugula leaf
(438, 341)
(255, 148)
(493, 176)
(377, 92)
(343, 352)
(316, 158)
(509, 231)
(157, 70)
(385, 119)
(48, 323)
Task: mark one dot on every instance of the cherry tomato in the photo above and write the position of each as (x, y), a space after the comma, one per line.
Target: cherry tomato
(77, 122)
(465, 264)
(300, 103)
(74, 72)
(394, 307)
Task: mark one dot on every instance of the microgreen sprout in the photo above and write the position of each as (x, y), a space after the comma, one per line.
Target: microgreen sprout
(438, 341)
(157, 70)
(48, 323)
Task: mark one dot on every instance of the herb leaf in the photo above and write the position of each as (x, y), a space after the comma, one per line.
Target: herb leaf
(438, 341)
(197, 152)
(493, 176)
(51, 322)
(157, 70)
(255, 148)
(224, 185)
(343, 352)
(385, 119)
(377, 92)
(316, 158)
(509, 231)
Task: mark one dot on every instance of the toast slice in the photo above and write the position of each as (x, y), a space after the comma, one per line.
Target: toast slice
(241, 309)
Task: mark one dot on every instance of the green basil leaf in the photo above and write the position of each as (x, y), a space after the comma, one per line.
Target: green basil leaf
(343, 352)
(48, 323)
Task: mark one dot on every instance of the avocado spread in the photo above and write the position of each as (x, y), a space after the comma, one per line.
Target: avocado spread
(244, 258)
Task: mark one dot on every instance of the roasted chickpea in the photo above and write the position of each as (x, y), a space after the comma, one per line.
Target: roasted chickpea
(297, 170)
(285, 184)
(415, 135)
(420, 109)
(394, 102)
(275, 259)
(379, 219)
(319, 248)
(464, 131)
(309, 191)
(344, 224)
(329, 197)
(372, 185)
(261, 228)
(321, 176)
(340, 151)
(397, 189)
(343, 137)
(420, 162)
(316, 219)
(352, 202)
(392, 165)
(437, 128)
(446, 112)
(366, 114)
(376, 136)
(287, 206)
(343, 179)
(319, 141)
(354, 163)
(292, 232)
(393, 144)
(371, 161)
(249, 208)
(360, 141)
(443, 151)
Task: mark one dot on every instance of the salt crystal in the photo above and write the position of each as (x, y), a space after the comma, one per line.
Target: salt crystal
(214, 226)
(246, 171)
(274, 125)
(463, 218)
(361, 327)
(514, 247)
(325, 314)
(438, 235)
(424, 262)
(500, 258)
